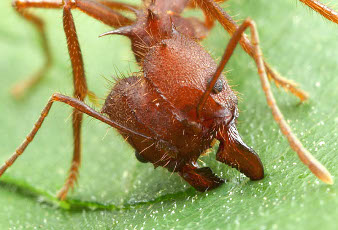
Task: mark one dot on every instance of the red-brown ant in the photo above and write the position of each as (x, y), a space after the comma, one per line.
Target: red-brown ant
(174, 110)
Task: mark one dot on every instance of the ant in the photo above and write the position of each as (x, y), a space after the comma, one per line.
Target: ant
(180, 103)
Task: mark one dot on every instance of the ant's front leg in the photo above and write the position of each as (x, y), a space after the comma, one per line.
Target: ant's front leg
(202, 179)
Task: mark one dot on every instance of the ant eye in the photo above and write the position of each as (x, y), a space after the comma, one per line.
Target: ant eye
(218, 87)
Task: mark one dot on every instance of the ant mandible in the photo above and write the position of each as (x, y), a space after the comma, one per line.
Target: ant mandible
(174, 110)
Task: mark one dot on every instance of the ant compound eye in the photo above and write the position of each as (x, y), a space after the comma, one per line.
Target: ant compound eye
(218, 87)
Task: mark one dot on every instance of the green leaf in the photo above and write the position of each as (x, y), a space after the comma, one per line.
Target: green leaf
(116, 191)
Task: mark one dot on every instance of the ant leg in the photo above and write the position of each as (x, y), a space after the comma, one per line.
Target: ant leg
(102, 13)
(209, 19)
(80, 92)
(78, 105)
(94, 9)
(119, 5)
(321, 8)
(202, 179)
(304, 155)
(20, 88)
(20, 5)
(214, 10)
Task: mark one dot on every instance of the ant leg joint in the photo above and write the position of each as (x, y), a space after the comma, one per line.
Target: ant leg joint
(19, 151)
(38, 125)
(44, 113)
(54, 95)
(29, 138)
